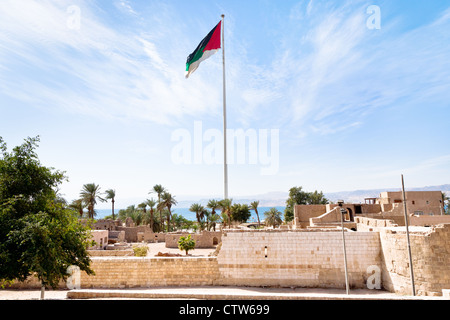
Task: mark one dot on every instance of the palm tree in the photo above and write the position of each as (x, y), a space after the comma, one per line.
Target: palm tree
(207, 215)
(143, 206)
(273, 217)
(90, 194)
(198, 209)
(151, 203)
(78, 205)
(159, 190)
(225, 206)
(168, 201)
(111, 194)
(213, 205)
(254, 206)
(213, 219)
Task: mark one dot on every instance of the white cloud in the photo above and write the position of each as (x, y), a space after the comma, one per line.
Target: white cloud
(97, 70)
(330, 67)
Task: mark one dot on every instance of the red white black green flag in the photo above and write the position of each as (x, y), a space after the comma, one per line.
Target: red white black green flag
(207, 47)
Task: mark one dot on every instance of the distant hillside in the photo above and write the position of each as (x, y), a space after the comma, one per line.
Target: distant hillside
(275, 199)
(359, 195)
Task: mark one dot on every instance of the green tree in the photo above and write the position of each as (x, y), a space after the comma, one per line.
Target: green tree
(90, 194)
(225, 206)
(213, 219)
(78, 206)
(199, 210)
(445, 203)
(168, 200)
(111, 195)
(186, 243)
(151, 203)
(159, 190)
(207, 216)
(213, 205)
(180, 222)
(254, 206)
(273, 217)
(317, 198)
(240, 213)
(299, 197)
(38, 234)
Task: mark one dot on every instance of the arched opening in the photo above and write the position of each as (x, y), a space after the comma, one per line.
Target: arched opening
(215, 241)
(350, 215)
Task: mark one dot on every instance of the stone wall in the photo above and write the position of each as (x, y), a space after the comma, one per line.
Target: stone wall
(151, 272)
(430, 251)
(370, 224)
(291, 259)
(297, 259)
(207, 239)
(429, 220)
(133, 272)
(302, 214)
(100, 238)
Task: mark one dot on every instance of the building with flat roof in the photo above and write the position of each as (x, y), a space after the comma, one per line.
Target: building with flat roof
(388, 206)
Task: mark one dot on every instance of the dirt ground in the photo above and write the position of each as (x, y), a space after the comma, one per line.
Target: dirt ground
(154, 248)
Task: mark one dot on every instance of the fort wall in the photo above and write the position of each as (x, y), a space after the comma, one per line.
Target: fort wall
(291, 259)
(303, 259)
(430, 252)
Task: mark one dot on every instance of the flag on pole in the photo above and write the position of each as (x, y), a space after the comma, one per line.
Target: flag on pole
(207, 47)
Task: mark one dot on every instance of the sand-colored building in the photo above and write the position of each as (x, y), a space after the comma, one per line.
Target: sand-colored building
(423, 208)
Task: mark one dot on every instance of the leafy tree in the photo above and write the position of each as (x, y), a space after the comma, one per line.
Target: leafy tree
(273, 217)
(317, 198)
(111, 195)
(180, 222)
(240, 212)
(186, 243)
(299, 197)
(38, 233)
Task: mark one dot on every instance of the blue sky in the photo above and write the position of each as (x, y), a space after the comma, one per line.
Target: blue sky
(102, 83)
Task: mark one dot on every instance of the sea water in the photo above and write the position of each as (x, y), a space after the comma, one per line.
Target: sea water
(101, 213)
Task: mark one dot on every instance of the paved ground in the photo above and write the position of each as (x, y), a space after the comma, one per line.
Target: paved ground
(154, 248)
(210, 293)
(206, 293)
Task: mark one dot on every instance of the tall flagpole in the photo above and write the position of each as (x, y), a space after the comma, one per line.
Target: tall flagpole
(225, 161)
(407, 237)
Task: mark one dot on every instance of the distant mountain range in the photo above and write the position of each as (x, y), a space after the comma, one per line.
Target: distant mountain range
(278, 199)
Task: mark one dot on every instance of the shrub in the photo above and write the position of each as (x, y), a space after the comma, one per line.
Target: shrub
(140, 251)
(186, 244)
